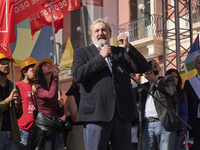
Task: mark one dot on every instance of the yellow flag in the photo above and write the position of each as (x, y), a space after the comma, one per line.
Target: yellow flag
(67, 56)
(114, 42)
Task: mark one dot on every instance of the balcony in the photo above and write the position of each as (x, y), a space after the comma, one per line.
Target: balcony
(196, 15)
(145, 34)
(150, 25)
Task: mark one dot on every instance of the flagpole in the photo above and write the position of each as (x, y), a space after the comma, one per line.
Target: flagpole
(54, 43)
(13, 74)
(83, 22)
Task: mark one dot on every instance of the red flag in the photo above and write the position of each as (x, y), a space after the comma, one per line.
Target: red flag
(73, 5)
(59, 24)
(25, 9)
(38, 21)
(44, 1)
(6, 50)
(7, 27)
(81, 3)
(60, 8)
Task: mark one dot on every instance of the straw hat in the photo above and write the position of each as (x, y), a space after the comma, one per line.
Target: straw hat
(41, 62)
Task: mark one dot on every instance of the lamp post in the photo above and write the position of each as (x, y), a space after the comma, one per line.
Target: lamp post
(82, 33)
(56, 60)
(141, 7)
(79, 29)
(51, 55)
(60, 49)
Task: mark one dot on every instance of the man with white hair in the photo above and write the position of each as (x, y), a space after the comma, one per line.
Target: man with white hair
(107, 104)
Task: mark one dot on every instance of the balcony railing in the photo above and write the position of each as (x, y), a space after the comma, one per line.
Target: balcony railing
(195, 16)
(195, 11)
(150, 25)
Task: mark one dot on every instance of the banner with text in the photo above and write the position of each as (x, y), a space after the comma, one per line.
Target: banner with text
(7, 30)
(26, 8)
(60, 8)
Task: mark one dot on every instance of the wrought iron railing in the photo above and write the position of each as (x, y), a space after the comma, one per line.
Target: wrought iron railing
(195, 11)
(195, 15)
(150, 25)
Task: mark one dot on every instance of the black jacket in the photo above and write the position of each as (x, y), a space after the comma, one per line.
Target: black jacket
(193, 103)
(103, 91)
(164, 92)
(44, 128)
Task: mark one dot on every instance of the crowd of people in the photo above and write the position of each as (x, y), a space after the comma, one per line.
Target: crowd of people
(101, 104)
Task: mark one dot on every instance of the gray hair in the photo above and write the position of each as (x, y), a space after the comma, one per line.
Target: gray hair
(196, 59)
(102, 21)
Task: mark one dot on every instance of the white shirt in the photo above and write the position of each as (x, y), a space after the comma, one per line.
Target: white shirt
(99, 48)
(150, 110)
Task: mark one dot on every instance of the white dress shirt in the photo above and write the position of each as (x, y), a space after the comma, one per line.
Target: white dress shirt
(150, 110)
(99, 48)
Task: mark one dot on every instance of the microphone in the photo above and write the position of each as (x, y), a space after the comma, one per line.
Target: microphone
(104, 42)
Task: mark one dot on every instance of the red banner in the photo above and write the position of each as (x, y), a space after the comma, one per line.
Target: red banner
(25, 9)
(6, 50)
(44, 1)
(81, 3)
(38, 21)
(7, 30)
(60, 8)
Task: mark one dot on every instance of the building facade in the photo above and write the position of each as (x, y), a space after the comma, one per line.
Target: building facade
(144, 27)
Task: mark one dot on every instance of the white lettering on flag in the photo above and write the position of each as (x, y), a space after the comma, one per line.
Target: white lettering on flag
(184, 68)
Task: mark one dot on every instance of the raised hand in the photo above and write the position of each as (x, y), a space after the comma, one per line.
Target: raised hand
(105, 51)
(124, 40)
(55, 69)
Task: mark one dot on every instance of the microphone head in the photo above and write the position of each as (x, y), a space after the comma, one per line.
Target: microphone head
(104, 42)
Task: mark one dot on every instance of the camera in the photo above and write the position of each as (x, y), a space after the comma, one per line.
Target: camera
(150, 65)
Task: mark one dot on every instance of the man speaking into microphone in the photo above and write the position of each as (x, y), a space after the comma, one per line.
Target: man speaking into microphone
(107, 104)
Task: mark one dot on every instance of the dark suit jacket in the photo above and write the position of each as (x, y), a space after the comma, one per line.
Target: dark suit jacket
(193, 103)
(164, 92)
(101, 91)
